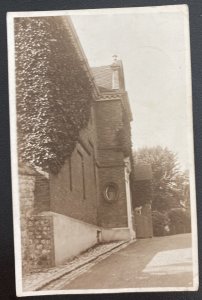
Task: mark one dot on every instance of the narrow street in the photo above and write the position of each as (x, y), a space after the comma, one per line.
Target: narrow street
(156, 262)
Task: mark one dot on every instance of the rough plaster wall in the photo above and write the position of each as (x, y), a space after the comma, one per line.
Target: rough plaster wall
(72, 237)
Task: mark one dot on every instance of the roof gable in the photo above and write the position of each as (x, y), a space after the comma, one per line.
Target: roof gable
(103, 77)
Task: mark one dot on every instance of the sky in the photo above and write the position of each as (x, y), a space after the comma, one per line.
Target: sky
(152, 47)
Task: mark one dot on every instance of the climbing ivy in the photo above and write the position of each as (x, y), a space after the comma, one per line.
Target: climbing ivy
(53, 92)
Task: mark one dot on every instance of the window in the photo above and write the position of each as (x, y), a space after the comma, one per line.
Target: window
(83, 174)
(110, 192)
(70, 174)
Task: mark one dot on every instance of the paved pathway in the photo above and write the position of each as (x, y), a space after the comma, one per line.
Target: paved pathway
(45, 279)
(156, 262)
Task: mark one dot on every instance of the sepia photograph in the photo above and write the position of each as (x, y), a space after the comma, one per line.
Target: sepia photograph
(101, 131)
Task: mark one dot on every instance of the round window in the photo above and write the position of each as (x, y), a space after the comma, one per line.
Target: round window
(111, 192)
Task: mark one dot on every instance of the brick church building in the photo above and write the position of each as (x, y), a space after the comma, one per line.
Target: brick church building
(89, 200)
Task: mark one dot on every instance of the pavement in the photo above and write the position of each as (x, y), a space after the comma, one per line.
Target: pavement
(45, 278)
(155, 262)
(147, 263)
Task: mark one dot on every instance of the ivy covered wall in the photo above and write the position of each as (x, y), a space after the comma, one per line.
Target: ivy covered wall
(53, 92)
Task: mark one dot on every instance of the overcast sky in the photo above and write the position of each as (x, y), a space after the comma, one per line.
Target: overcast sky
(152, 48)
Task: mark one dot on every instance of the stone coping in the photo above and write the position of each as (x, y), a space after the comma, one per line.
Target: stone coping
(54, 214)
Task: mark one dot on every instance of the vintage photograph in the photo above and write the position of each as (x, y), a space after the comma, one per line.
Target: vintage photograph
(102, 153)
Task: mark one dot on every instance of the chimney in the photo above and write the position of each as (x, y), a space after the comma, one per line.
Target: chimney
(115, 73)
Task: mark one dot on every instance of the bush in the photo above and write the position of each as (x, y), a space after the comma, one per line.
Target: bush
(180, 221)
(160, 223)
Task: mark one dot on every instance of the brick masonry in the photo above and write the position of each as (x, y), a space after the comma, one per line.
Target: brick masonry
(113, 214)
(110, 157)
(77, 191)
(108, 122)
(73, 192)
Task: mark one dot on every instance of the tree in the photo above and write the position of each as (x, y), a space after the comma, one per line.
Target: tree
(182, 181)
(165, 169)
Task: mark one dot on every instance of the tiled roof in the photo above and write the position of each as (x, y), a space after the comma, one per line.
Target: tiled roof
(103, 77)
(110, 79)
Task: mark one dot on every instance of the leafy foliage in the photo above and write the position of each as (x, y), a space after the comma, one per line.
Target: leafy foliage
(166, 174)
(180, 221)
(175, 221)
(54, 94)
(183, 190)
(170, 191)
(160, 222)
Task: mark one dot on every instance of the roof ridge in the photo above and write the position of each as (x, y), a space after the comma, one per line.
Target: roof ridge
(103, 66)
(100, 67)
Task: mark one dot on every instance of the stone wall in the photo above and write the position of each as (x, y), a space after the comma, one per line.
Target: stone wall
(41, 244)
(36, 230)
(26, 193)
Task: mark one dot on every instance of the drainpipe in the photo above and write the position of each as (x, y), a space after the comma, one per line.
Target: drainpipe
(127, 171)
